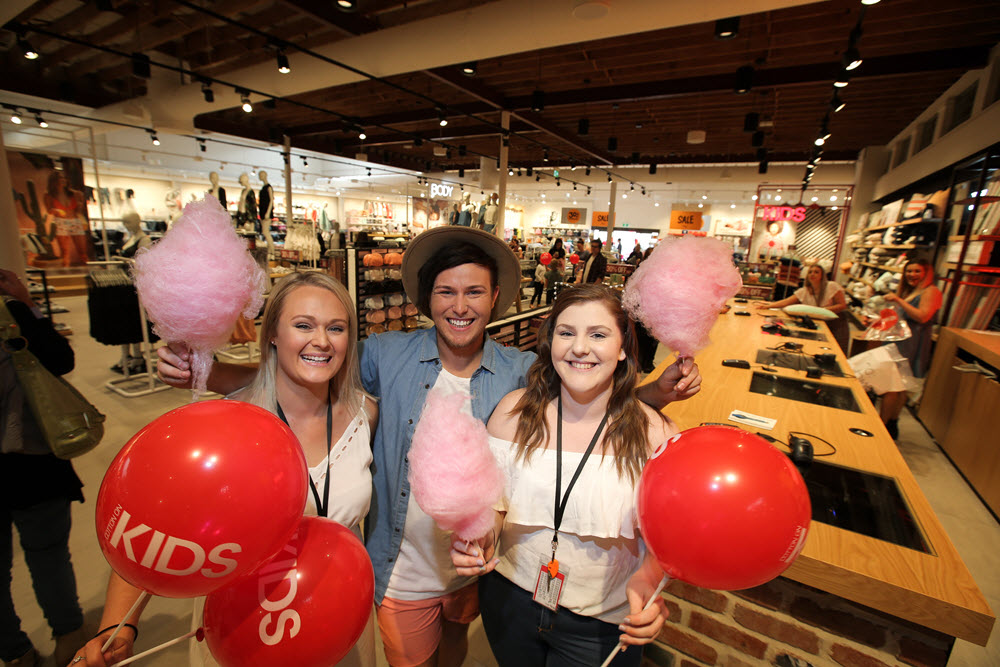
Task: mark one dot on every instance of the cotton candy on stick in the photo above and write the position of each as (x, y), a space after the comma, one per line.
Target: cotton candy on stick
(678, 291)
(453, 475)
(197, 281)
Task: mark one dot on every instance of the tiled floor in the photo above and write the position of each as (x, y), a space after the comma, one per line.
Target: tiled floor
(972, 528)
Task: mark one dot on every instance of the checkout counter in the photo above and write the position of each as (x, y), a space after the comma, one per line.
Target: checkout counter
(875, 548)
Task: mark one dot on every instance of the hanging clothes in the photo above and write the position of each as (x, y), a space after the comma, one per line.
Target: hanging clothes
(113, 306)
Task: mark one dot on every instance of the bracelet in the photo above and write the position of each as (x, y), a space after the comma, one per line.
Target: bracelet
(124, 625)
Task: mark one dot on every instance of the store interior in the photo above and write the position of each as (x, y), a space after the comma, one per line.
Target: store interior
(646, 118)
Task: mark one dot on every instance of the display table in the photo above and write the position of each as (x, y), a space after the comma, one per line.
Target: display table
(960, 408)
(915, 602)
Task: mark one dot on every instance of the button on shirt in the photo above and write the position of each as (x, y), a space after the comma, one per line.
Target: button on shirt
(400, 368)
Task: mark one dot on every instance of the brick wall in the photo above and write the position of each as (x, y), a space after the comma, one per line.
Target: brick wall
(787, 624)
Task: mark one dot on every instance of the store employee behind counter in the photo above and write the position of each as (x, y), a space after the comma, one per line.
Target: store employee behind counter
(460, 278)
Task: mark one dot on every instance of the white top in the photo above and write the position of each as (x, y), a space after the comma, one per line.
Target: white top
(540, 272)
(350, 498)
(423, 566)
(599, 538)
(805, 296)
(350, 475)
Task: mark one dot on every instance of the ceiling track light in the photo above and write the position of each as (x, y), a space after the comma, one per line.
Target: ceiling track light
(15, 116)
(283, 65)
(26, 49)
(202, 146)
(586, 171)
(852, 58)
(347, 5)
(820, 140)
(751, 121)
(206, 90)
(744, 80)
(652, 168)
(141, 66)
(757, 139)
(442, 121)
(461, 173)
(470, 68)
(588, 190)
(842, 80)
(609, 178)
(537, 100)
(836, 104)
(727, 28)
(153, 138)
(41, 121)
(529, 171)
(245, 100)
(545, 155)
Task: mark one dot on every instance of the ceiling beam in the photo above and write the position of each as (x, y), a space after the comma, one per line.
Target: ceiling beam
(912, 63)
(323, 10)
(450, 133)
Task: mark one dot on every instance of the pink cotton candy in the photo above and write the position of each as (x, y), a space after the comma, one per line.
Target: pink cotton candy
(678, 291)
(453, 475)
(197, 281)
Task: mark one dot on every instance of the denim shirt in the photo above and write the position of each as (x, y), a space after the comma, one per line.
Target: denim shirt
(400, 368)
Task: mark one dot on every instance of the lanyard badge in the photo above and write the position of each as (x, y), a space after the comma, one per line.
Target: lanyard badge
(551, 574)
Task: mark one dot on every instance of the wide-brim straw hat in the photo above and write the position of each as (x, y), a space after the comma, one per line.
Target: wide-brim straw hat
(425, 244)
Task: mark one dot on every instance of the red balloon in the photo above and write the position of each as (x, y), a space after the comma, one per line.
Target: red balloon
(721, 508)
(307, 606)
(545, 258)
(201, 496)
(574, 259)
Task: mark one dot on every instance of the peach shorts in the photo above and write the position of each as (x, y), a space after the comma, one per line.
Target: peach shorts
(411, 629)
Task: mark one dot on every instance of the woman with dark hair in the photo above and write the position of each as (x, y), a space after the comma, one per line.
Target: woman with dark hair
(557, 250)
(918, 301)
(580, 390)
(64, 219)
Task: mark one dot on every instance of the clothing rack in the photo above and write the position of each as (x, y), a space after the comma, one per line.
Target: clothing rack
(133, 384)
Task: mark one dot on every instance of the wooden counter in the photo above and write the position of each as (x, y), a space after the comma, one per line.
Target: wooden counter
(959, 409)
(933, 590)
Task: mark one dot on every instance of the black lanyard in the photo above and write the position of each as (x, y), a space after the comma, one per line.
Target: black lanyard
(321, 507)
(560, 507)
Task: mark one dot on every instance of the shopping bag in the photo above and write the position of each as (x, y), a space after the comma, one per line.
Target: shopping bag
(883, 370)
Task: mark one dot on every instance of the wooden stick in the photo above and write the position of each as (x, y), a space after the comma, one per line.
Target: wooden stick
(160, 647)
(649, 603)
(142, 596)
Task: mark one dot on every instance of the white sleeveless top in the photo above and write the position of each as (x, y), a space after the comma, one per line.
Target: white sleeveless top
(348, 465)
(598, 539)
(350, 498)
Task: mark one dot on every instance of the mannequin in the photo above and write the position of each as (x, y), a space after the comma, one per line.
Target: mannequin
(266, 211)
(137, 236)
(246, 214)
(465, 215)
(216, 190)
(492, 214)
(481, 220)
(324, 218)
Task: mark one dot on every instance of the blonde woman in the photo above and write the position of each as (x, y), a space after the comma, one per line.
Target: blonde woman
(308, 376)
(823, 293)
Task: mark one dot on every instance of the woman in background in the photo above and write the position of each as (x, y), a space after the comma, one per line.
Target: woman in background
(822, 293)
(918, 300)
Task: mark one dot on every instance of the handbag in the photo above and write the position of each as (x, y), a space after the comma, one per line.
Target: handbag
(69, 423)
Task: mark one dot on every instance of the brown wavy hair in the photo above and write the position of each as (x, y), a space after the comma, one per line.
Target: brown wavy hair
(627, 431)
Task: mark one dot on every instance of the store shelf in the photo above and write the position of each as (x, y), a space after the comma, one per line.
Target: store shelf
(985, 199)
(913, 221)
(905, 246)
(894, 269)
(976, 237)
(865, 281)
(975, 268)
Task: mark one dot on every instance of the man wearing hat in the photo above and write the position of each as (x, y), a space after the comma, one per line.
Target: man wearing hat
(461, 279)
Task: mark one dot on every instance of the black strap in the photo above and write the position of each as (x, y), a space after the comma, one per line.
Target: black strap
(324, 506)
(560, 507)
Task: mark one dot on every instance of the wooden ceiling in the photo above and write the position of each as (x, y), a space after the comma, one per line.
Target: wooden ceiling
(640, 94)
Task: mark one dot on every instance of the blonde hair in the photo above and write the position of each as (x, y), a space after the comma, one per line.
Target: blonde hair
(345, 386)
